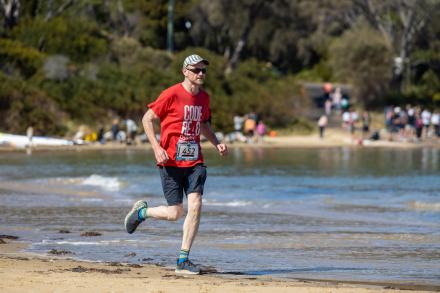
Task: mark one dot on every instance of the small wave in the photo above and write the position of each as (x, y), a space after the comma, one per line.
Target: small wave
(107, 183)
(234, 203)
(424, 206)
(76, 243)
(92, 199)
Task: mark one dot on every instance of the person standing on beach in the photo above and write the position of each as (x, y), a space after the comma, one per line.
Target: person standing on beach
(184, 113)
(250, 124)
(322, 124)
(365, 124)
(30, 135)
(131, 131)
(261, 131)
(426, 118)
(115, 129)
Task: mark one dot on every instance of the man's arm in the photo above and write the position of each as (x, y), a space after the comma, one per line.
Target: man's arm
(210, 135)
(147, 121)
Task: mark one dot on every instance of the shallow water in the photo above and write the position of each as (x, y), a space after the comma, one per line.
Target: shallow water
(336, 213)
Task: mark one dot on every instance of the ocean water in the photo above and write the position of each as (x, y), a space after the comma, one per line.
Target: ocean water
(361, 214)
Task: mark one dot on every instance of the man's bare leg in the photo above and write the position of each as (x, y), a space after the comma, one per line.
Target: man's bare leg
(190, 229)
(169, 213)
(192, 220)
(173, 213)
(141, 211)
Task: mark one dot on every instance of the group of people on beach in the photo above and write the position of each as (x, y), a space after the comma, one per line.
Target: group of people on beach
(411, 123)
(404, 124)
(336, 104)
(335, 100)
(350, 121)
(248, 128)
(120, 131)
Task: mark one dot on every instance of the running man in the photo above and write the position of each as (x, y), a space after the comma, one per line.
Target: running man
(184, 113)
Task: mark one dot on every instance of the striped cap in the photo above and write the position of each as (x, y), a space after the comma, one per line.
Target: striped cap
(193, 60)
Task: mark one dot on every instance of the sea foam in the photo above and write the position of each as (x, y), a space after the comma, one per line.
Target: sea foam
(424, 206)
(234, 203)
(106, 183)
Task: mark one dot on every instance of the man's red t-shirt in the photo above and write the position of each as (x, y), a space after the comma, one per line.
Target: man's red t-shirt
(181, 115)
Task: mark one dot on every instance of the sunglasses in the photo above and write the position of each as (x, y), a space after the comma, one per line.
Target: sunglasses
(197, 70)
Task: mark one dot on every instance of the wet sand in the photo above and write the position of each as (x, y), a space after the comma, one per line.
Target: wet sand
(24, 272)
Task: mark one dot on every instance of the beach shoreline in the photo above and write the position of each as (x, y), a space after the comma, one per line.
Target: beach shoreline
(27, 272)
(334, 138)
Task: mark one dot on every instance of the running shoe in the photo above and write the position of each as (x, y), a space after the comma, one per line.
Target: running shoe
(188, 268)
(132, 219)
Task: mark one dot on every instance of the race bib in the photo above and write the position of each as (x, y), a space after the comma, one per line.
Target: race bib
(187, 151)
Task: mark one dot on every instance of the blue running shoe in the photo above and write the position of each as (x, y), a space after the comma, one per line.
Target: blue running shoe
(187, 268)
(132, 219)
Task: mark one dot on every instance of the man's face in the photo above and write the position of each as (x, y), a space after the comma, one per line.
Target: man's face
(196, 73)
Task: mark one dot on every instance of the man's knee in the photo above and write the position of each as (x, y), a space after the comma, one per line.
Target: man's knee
(175, 212)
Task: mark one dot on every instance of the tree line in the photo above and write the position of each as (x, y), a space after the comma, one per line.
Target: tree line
(65, 62)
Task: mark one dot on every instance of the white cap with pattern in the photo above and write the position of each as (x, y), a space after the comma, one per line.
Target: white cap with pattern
(193, 60)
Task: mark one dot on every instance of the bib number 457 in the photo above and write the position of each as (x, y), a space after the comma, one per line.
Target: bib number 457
(187, 151)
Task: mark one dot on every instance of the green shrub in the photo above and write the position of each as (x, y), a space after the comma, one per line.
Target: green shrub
(22, 106)
(78, 38)
(24, 58)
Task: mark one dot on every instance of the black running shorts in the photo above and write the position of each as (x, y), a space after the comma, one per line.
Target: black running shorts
(176, 180)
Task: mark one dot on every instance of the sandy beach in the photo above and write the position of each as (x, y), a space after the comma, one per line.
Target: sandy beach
(24, 272)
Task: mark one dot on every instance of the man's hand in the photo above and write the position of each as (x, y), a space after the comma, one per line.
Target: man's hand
(161, 155)
(222, 149)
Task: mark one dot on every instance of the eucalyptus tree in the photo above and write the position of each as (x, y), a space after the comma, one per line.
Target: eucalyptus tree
(400, 22)
(10, 12)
